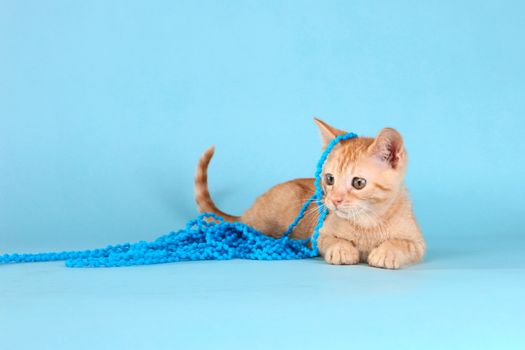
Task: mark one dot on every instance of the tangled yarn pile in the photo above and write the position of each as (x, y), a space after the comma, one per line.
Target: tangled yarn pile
(199, 240)
(208, 237)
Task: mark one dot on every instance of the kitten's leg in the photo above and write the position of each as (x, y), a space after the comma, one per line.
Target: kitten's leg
(337, 251)
(395, 253)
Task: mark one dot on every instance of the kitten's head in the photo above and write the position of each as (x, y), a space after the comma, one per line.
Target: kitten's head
(362, 176)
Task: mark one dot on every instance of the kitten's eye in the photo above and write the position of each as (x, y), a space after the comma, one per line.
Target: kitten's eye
(329, 179)
(358, 183)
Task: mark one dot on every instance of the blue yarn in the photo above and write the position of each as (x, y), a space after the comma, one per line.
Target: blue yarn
(318, 194)
(201, 239)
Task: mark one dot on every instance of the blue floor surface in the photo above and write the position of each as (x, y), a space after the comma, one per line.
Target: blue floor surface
(469, 297)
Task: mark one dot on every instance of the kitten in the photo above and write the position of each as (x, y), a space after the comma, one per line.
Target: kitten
(370, 214)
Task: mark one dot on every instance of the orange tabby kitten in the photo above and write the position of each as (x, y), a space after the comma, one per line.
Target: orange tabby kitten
(370, 214)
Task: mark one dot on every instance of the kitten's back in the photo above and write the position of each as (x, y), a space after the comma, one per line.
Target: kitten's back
(272, 212)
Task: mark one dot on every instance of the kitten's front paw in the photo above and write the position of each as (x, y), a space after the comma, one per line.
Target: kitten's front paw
(341, 252)
(385, 257)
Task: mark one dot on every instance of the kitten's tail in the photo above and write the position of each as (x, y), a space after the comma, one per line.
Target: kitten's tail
(202, 195)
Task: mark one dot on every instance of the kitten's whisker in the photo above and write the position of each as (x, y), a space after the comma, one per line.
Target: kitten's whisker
(315, 209)
(354, 215)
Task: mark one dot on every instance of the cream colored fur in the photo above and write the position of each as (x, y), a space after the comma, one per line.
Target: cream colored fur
(375, 224)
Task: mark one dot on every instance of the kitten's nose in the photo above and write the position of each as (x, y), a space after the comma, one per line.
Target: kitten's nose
(337, 200)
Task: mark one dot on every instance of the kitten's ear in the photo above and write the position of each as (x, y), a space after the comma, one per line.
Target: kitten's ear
(388, 147)
(328, 133)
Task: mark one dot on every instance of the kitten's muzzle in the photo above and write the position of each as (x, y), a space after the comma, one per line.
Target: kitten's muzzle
(335, 201)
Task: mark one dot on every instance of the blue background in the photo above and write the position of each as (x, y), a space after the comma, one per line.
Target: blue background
(105, 108)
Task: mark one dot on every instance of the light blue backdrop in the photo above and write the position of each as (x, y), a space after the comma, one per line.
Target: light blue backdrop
(105, 108)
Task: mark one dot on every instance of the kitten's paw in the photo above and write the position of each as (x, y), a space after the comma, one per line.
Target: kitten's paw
(341, 253)
(386, 257)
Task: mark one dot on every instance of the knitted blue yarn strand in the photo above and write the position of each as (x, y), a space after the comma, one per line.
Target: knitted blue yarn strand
(201, 239)
(318, 194)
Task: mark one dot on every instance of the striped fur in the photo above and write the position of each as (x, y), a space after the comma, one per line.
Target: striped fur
(202, 194)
